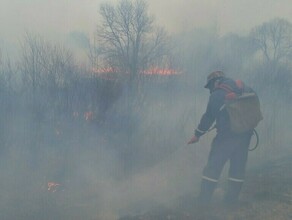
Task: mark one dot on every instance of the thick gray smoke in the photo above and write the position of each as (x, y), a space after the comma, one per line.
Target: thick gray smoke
(106, 171)
(101, 171)
(95, 152)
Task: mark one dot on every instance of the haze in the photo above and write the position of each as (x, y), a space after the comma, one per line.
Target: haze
(117, 147)
(55, 19)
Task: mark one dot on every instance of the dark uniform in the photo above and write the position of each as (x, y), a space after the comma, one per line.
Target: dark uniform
(225, 146)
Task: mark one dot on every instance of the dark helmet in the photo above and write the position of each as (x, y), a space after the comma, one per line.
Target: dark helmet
(213, 76)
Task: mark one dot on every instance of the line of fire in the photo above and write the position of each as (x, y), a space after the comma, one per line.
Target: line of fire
(105, 85)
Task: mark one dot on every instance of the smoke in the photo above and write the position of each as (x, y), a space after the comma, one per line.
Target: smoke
(127, 163)
(101, 176)
(102, 171)
(129, 160)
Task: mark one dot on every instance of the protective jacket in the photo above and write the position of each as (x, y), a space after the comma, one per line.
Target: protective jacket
(214, 111)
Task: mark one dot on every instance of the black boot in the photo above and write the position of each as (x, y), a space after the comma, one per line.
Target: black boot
(207, 189)
(232, 194)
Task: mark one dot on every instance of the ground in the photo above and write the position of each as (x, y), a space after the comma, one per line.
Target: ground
(267, 194)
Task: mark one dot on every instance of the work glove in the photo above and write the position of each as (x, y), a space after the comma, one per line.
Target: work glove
(193, 140)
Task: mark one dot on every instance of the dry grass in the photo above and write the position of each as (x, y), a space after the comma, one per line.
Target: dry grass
(267, 195)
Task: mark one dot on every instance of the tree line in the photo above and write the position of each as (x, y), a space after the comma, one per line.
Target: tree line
(49, 84)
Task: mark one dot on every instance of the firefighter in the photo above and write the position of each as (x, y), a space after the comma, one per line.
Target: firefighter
(226, 146)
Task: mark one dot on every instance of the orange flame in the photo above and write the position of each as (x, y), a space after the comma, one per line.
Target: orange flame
(52, 186)
(88, 116)
(160, 71)
(149, 71)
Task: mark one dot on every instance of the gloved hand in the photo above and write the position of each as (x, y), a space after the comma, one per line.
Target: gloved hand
(193, 140)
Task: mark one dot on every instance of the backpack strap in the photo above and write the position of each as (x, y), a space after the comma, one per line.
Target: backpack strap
(225, 87)
(231, 92)
(239, 84)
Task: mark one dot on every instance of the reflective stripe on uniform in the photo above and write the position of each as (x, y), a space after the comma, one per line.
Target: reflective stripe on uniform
(236, 180)
(222, 107)
(200, 130)
(209, 179)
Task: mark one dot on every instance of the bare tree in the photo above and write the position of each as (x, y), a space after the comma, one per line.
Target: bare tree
(46, 70)
(274, 39)
(127, 37)
(44, 64)
(8, 74)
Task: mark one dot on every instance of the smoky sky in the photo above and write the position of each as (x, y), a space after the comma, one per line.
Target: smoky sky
(56, 18)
